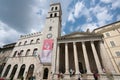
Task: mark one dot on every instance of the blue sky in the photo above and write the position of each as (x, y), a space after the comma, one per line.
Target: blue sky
(19, 17)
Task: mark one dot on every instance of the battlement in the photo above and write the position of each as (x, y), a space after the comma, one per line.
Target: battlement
(30, 35)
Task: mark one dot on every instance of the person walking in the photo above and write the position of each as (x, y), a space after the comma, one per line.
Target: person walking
(96, 75)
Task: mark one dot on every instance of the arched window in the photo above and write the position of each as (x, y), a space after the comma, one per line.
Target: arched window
(31, 41)
(15, 53)
(21, 52)
(55, 15)
(27, 52)
(19, 43)
(13, 71)
(50, 28)
(45, 76)
(56, 8)
(50, 15)
(1, 68)
(22, 69)
(25, 43)
(30, 71)
(52, 8)
(35, 51)
(38, 40)
(7, 70)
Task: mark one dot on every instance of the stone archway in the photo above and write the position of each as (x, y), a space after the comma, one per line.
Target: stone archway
(45, 75)
(21, 72)
(30, 71)
(13, 71)
(7, 70)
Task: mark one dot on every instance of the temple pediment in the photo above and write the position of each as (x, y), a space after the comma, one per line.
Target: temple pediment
(79, 34)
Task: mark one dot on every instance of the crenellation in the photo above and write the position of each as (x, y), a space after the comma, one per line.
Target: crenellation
(30, 35)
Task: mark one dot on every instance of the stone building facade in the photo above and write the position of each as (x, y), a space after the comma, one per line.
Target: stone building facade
(44, 55)
(111, 33)
(5, 51)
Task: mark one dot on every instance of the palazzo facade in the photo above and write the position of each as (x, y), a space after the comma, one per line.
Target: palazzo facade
(44, 55)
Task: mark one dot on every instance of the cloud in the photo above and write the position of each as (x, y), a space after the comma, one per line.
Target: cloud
(6, 33)
(78, 8)
(116, 4)
(102, 14)
(118, 17)
(63, 33)
(20, 17)
(71, 17)
(21, 14)
(90, 26)
(106, 1)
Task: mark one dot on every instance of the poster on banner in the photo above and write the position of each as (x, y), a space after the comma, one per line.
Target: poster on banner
(47, 51)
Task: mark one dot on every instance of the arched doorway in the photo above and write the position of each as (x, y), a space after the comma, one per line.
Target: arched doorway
(1, 68)
(30, 71)
(7, 70)
(45, 76)
(21, 72)
(13, 71)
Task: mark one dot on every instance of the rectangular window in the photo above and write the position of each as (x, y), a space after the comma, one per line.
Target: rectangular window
(107, 34)
(118, 53)
(112, 43)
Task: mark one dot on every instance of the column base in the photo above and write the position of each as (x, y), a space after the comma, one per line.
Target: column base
(87, 76)
(66, 76)
(103, 76)
(116, 76)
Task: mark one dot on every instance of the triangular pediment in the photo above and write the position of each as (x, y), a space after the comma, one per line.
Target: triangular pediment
(79, 34)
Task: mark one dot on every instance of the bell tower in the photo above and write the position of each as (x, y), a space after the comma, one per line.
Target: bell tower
(51, 32)
(53, 22)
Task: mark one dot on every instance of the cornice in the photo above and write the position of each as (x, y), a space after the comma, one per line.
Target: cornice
(108, 27)
(79, 39)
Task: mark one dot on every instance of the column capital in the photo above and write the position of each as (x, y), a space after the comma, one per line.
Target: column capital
(74, 43)
(92, 41)
(83, 42)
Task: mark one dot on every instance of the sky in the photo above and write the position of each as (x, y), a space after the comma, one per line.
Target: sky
(20, 17)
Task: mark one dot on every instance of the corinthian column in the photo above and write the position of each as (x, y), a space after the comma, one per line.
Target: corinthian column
(66, 59)
(58, 55)
(96, 57)
(75, 58)
(86, 58)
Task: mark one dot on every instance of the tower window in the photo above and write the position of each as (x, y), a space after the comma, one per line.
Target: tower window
(50, 15)
(50, 28)
(55, 14)
(52, 8)
(55, 8)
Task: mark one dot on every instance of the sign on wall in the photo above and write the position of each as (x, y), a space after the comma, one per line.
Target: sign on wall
(47, 51)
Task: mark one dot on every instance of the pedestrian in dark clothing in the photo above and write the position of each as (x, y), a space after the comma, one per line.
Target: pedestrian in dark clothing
(96, 75)
(79, 78)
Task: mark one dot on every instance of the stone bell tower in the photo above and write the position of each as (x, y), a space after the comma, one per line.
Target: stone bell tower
(51, 32)
(52, 28)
